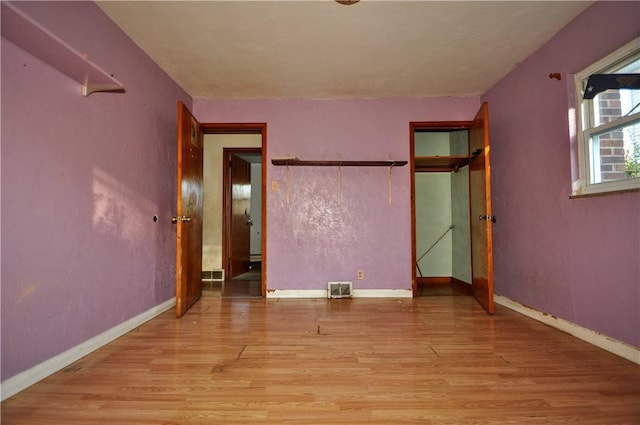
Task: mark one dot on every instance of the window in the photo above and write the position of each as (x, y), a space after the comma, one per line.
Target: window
(609, 122)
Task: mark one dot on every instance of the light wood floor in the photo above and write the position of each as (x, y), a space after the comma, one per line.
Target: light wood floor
(428, 360)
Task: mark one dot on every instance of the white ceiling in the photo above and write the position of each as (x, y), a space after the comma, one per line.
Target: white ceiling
(321, 49)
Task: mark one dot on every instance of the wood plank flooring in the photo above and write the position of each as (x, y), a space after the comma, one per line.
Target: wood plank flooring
(428, 360)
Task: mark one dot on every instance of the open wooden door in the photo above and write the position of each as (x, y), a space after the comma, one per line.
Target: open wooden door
(188, 217)
(239, 215)
(481, 216)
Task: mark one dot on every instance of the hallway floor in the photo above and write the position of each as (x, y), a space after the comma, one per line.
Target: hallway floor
(232, 289)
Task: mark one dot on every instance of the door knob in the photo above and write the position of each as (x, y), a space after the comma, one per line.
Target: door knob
(181, 219)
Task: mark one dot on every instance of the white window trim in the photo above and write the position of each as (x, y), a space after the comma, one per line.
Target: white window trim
(584, 185)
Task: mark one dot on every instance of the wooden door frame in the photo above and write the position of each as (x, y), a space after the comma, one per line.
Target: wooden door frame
(249, 128)
(413, 127)
(226, 207)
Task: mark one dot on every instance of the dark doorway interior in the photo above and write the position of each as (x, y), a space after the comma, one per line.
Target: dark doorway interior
(448, 288)
(243, 266)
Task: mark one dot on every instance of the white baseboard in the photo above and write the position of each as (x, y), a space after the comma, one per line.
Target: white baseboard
(296, 293)
(25, 379)
(382, 293)
(612, 345)
(322, 293)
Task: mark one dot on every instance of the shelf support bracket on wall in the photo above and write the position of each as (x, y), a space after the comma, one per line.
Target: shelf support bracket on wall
(25, 32)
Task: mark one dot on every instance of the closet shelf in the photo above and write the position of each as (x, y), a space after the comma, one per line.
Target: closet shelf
(443, 164)
(28, 34)
(293, 161)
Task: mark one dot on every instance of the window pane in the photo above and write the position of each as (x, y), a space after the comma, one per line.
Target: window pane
(612, 104)
(615, 155)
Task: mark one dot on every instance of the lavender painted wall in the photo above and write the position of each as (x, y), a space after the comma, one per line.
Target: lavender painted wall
(576, 259)
(82, 178)
(326, 226)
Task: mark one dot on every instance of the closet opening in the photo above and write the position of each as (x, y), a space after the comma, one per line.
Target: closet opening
(451, 215)
(441, 210)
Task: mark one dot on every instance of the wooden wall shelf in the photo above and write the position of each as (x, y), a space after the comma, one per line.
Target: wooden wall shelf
(295, 162)
(337, 163)
(28, 34)
(442, 164)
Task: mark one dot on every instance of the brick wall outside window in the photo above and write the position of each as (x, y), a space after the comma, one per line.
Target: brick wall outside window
(612, 163)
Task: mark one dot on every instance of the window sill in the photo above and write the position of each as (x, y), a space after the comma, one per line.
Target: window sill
(611, 192)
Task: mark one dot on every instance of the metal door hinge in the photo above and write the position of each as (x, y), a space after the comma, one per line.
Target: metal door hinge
(491, 218)
(181, 219)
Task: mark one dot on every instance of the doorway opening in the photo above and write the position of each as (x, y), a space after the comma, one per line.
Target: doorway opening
(465, 146)
(242, 218)
(234, 259)
(442, 238)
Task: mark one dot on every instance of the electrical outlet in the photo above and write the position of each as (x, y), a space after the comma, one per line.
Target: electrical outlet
(360, 274)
